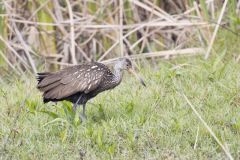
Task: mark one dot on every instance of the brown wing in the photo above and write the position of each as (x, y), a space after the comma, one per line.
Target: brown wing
(81, 78)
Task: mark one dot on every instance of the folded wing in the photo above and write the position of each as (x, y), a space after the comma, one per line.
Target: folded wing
(81, 78)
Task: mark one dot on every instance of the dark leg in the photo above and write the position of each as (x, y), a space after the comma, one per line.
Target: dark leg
(76, 104)
(75, 107)
(83, 115)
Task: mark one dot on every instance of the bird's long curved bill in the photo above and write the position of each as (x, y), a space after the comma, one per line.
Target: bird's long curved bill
(137, 76)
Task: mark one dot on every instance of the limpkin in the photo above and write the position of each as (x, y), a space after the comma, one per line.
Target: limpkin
(80, 83)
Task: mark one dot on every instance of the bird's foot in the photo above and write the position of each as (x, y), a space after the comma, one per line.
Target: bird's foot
(83, 117)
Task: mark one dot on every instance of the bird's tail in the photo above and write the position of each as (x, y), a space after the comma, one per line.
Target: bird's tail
(41, 76)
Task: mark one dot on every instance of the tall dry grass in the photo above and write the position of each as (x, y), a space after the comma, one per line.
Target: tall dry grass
(65, 32)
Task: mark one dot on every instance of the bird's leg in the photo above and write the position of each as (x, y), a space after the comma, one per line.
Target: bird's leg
(76, 104)
(83, 115)
(75, 107)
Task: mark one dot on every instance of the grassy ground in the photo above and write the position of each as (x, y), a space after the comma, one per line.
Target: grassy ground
(131, 122)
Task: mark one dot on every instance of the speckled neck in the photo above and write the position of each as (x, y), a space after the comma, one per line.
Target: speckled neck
(118, 72)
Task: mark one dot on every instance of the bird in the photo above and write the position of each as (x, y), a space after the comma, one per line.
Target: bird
(80, 83)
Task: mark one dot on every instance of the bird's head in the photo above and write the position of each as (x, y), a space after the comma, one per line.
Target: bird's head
(126, 64)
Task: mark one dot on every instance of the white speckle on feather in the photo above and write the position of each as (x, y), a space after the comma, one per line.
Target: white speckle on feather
(89, 86)
(94, 67)
(83, 85)
(79, 75)
(73, 83)
(78, 85)
(88, 70)
(75, 73)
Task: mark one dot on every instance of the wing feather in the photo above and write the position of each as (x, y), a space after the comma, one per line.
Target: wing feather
(49, 80)
(81, 78)
(50, 86)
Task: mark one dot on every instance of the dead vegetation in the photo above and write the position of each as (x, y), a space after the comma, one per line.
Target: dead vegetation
(57, 32)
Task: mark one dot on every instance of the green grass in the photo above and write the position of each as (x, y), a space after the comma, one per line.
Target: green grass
(129, 122)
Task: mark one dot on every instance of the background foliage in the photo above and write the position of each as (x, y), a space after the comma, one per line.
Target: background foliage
(50, 32)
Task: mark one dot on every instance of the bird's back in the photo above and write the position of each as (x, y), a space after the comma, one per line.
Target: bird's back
(86, 80)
